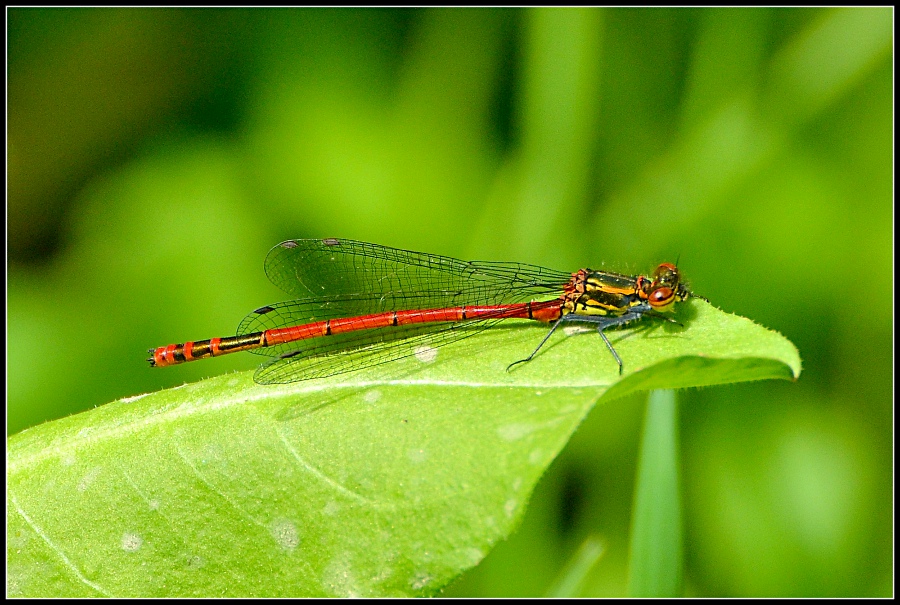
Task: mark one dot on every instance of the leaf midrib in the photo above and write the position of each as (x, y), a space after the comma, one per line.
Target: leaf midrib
(186, 410)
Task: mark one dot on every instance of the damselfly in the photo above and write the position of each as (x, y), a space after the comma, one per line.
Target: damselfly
(359, 305)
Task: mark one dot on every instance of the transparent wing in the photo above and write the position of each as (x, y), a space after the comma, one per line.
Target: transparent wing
(345, 278)
(332, 268)
(319, 358)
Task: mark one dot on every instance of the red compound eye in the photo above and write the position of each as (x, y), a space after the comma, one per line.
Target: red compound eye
(666, 275)
(665, 268)
(662, 298)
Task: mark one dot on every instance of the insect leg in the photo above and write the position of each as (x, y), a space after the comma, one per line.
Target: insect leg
(549, 334)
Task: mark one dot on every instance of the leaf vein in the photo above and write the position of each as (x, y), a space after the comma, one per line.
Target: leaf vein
(68, 563)
(323, 477)
(219, 492)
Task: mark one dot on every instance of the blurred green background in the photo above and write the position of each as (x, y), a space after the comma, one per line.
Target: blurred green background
(155, 155)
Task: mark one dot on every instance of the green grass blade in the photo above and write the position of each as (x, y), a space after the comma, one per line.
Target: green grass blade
(656, 557)
(573, 576)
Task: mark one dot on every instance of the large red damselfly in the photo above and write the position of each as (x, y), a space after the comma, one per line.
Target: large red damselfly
(359, 305)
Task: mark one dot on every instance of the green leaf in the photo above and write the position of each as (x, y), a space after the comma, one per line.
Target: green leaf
(390, 481)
